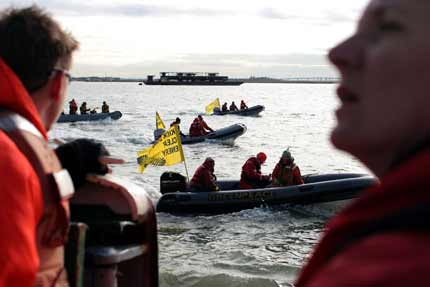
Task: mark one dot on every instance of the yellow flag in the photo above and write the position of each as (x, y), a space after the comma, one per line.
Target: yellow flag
(210, 108)
(167, 150)
(159, 122)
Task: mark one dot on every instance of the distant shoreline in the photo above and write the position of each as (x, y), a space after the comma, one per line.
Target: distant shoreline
(256, 80)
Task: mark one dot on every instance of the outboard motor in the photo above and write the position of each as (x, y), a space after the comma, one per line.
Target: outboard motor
(158, 133)
(172, 182)
(113, 236)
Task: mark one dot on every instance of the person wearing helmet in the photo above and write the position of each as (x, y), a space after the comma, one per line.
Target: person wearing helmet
(204, 178)
(286, 172)
(251, 176)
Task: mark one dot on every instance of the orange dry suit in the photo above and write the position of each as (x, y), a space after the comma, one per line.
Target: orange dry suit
(34, 191)
(251, 176)
(285, 174)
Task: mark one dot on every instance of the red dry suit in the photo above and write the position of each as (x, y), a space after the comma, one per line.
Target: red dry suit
(24, 209)
(251, 176)
(204, 178)
(382, 239)
(196, 128)
(284, 175)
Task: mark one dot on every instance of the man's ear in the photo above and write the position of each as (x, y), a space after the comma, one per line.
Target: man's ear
(56, 85)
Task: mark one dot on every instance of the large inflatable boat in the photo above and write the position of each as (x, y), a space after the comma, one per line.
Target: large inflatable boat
(225, 135)
(252, 111)
(177, 198)
(66, 118)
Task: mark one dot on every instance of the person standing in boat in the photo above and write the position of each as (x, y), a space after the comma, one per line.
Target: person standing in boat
(251, 176)
(224, 107)
(36, 181)
(105, 108)
(204, 178)
(83, 109)
(286, 172)
(233, 107)
(177, 122)
(382, 238)
(243, 106)
(73, 107)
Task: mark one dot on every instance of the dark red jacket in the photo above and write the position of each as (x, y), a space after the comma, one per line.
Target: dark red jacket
(382, 239)
(196, 128)
(284, 175)
(20, 191)
(204, 178)
(251, 176)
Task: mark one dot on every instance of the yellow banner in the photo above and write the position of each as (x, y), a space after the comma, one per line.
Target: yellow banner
(210, 108)
(167, 150)
(159, 122)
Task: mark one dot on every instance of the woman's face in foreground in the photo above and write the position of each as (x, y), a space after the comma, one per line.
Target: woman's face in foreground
(385, 80)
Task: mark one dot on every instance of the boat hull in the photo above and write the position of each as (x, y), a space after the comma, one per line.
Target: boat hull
(317, 189)
(225, 135)
(89, 117)
(252, 111)
(159, 83)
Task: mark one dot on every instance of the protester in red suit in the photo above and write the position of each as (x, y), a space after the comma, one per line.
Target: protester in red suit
(204, 126)
(196, 128)
(204, 178)
(286, 172)
(251, 176)
(382, 239)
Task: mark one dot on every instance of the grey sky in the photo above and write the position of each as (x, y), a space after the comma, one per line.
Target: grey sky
(132, 38)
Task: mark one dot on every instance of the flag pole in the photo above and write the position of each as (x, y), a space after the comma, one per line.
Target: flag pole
(186, 170)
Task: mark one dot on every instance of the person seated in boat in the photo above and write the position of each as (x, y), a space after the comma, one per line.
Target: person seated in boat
(251, 176)
(224, 107)
(233, 107)
(204, 126)
(105, 108)
(196, 129)
(83, 109)
(204, 178)
(93, 111)
(243, 106)
(177, 122)
(73, 107)
(286, 172)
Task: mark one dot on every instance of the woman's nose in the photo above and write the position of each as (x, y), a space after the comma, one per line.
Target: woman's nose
(348, 54)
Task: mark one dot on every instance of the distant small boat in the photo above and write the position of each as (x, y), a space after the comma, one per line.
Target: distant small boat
(252, 111)
(64, 118)
(336, 189)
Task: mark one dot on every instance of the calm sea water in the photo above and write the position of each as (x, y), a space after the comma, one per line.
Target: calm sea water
(258, 247)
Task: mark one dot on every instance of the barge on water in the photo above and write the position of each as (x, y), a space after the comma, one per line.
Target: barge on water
(191, 78)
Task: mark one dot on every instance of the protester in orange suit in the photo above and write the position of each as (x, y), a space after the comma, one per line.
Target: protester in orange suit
(204, 178)
(286, 172)
(34, 190)
(251, 176)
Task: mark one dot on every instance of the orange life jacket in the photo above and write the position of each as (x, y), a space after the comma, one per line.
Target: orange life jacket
(57, 187)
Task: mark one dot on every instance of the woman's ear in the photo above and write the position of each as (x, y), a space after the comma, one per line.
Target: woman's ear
(56, 85)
